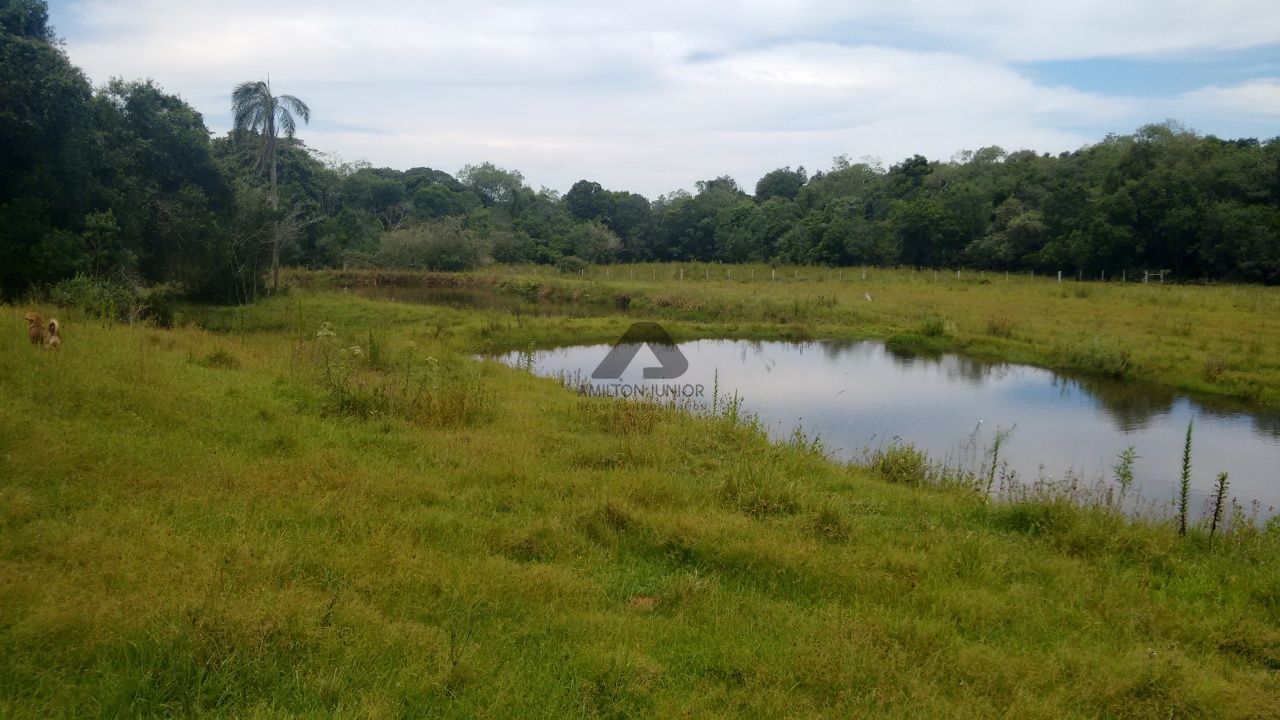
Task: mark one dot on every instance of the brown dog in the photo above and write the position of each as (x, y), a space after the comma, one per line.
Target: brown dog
(43, 334)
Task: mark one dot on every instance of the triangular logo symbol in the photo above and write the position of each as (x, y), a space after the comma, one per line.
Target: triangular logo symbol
(672, 362)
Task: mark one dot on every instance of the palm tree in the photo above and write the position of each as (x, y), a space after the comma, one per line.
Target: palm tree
(257, 111)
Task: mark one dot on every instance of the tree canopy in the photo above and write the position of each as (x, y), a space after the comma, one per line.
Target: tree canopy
(124, 182)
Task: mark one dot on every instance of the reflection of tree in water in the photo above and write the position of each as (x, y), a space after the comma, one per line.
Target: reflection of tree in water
(1130, 404)
(755, 349)
(954, 367)
(1263, 423)
(1267, 424)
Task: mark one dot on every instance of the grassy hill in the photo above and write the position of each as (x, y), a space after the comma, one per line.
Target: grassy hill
(323, 505)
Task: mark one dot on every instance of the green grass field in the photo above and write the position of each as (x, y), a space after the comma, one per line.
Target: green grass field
(322, 505)
(1215, 341)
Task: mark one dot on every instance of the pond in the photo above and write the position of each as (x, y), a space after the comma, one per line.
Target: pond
(857, 396)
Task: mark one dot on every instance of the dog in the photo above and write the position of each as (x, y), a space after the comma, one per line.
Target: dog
(43, 334)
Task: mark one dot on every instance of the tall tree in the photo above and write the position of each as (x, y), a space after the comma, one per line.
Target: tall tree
(259, 112)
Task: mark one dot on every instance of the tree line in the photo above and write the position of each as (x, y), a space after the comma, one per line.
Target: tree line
(125, 182)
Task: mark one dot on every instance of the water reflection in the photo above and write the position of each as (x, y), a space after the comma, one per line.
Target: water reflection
(862, 394)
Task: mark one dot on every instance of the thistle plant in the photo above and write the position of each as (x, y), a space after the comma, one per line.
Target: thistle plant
(1219, 504)
(1184, 483)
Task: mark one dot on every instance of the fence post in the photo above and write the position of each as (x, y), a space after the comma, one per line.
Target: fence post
(1059, 276)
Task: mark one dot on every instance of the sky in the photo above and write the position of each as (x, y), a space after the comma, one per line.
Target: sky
(654, 96)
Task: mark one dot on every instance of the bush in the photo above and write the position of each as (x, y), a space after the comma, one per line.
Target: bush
(571, 265)
(527, 289)
(901, 463)
(1103, 357)
(444, 245)
(594, 242)
(97, 298)
(935, 326)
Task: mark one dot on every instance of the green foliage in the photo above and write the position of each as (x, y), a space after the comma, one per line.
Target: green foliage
(1101, 357)
(1218, 513)
(96, 297)
(594, 243)
(759, 487)
(127, 181)
(1184, 482)
(525, 288)
(1124, 469)
(358, 381)
(935, 326)
(440, 245)
(901, 463)
(781, 183)
(571, 265)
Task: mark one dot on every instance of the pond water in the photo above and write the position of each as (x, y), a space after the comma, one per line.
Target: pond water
(860, 395)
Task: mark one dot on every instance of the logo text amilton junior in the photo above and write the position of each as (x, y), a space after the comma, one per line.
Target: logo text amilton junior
(672, 364)
(676, 391)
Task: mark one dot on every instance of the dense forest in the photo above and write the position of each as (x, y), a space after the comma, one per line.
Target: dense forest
(125, 182)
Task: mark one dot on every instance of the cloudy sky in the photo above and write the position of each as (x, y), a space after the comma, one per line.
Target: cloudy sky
(652, 96)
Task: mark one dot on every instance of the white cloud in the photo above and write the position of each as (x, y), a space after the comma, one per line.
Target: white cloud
(1255, 97)
(654, 96)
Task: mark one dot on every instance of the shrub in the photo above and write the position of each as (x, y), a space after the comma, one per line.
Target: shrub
(1000, 326)
(594, 242)
(441, 245)
(571, 265)
(901, 463)
(1103, 357)
(527, 289)
(935, 326)
(96, 297)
